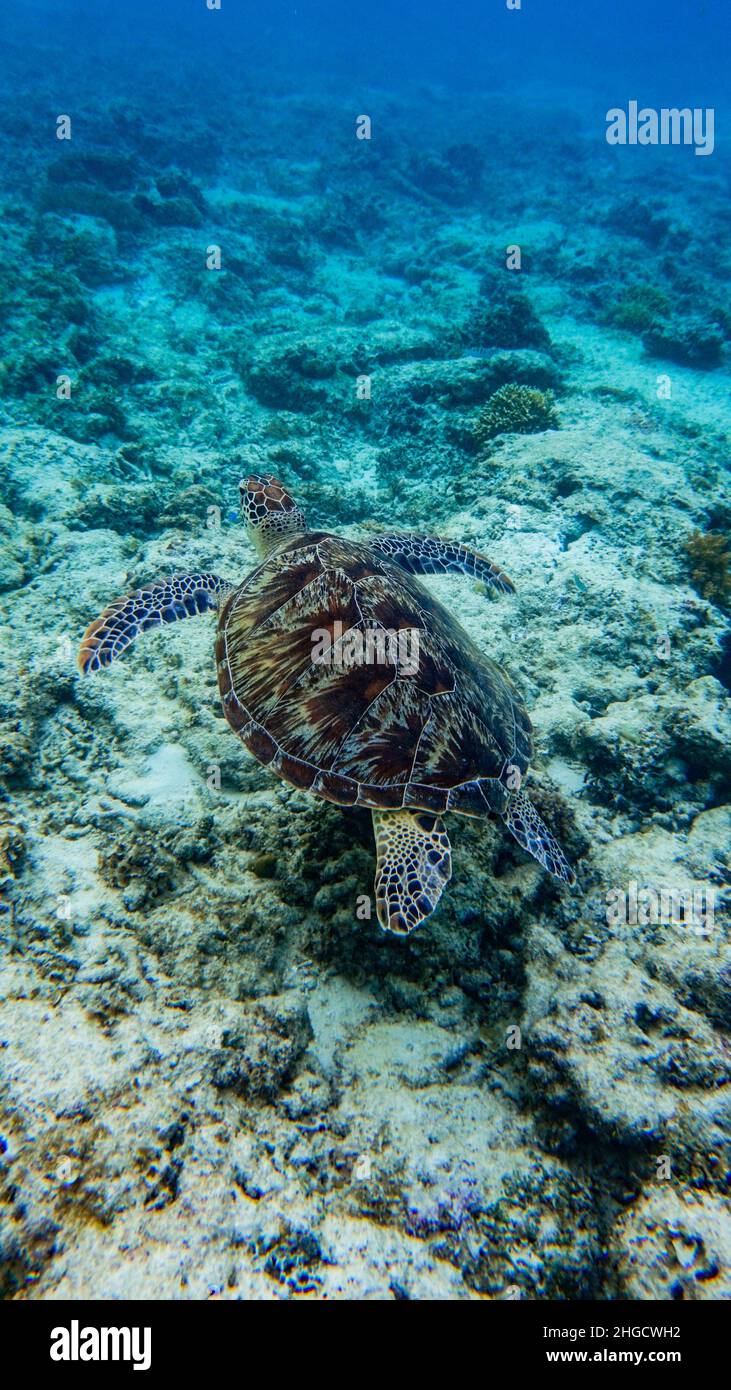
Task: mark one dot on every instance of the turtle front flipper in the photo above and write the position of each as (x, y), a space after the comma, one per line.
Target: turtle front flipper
(427, 555)
(121, 623)
(414, 867)
(524, 822)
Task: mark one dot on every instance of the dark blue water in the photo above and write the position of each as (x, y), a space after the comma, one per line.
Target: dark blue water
(661, 51)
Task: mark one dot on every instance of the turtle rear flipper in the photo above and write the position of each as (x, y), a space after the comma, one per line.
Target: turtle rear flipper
(414, 867)
(183, 596)
(524, 822)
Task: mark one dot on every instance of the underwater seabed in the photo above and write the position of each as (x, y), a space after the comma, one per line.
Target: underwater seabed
(219, 1077)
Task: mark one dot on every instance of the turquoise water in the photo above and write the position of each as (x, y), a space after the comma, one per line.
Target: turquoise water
(462, 273)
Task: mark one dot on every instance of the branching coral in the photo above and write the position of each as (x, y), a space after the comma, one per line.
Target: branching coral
(516, 410)
(710, 561)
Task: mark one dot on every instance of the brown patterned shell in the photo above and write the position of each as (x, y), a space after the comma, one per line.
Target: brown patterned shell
(369, 735)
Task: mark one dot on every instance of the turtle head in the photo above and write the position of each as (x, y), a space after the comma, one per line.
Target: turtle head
(270, 513)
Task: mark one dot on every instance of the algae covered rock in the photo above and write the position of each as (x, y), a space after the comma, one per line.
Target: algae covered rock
(650, 745)
(260, 1058)
(505, 318)
(673, 1245)
(15, 550)
(291, 377)
(691, 341)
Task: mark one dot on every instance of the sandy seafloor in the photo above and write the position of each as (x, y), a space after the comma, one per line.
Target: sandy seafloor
(214, 1080)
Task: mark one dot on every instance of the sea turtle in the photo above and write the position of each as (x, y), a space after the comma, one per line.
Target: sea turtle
(312, 678)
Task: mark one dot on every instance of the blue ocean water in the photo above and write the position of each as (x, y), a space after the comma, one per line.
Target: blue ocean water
(571, 44)
(460, 272)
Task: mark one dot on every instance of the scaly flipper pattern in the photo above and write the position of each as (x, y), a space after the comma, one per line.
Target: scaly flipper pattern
(426, 555)
(414, 867)
(121, 623)
(524, 822)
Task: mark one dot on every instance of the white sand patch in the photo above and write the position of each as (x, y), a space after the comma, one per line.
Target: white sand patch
(168, 779)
